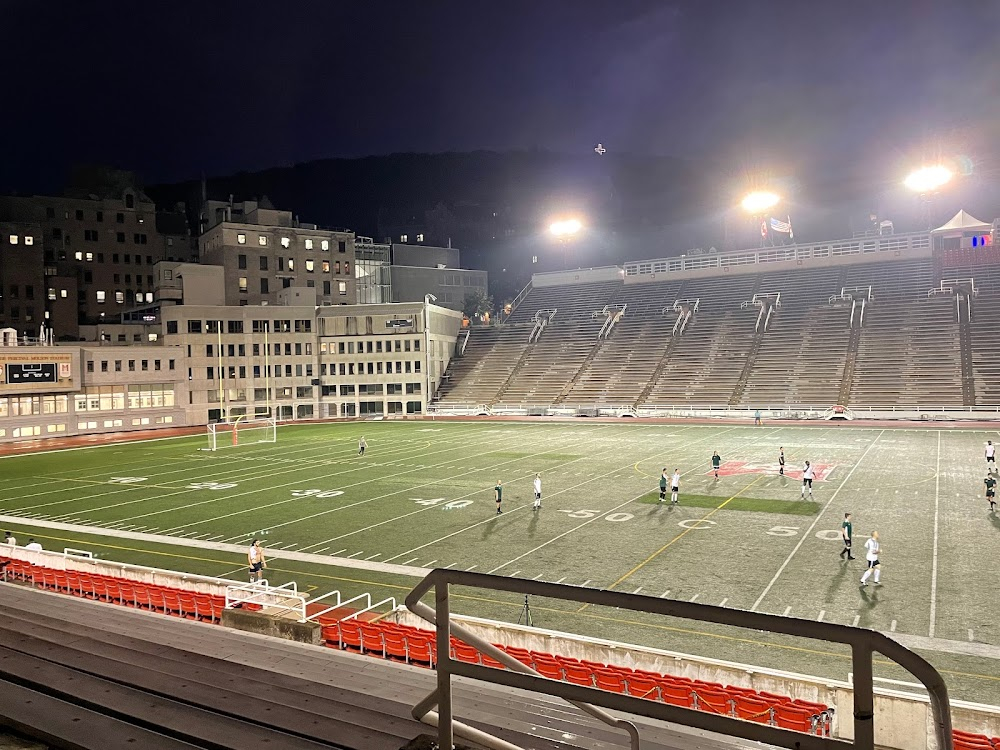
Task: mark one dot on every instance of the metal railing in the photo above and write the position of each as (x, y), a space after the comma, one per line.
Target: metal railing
(863, 644)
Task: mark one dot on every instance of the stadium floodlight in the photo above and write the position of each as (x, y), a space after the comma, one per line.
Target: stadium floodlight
(759, 201)
(928, 179)
(565, 227)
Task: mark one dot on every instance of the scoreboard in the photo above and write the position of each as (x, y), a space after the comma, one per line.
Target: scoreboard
(42, 372)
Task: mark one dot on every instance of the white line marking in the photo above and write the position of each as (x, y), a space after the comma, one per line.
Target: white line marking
(586, 583)
(892, 626)
(934, 556)
(808, 532)
(787, 610)
(723, 602)
(637, 590)
(372, 556)
(822, 614)
(430, 563)
(321, 551)
(559, 581)
(449, 566)
(665, 594)
(345, 550)
(467, 570)
(694, 598)
(359, 552)
(514, 574)
(857, 619)
(537, 577)
(409, 561)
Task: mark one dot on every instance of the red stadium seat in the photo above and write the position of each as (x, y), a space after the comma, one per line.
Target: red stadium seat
(395, 646)
(713, 701)
(752, 709)
(371, 639)
(577, 674)
(610, 680)
(641, 687)
(350, 636)
(676, 695)
(420, 650)
(464, 652)
(788, 716)
(551, 669)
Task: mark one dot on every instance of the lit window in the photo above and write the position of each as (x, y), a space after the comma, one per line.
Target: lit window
(13, 239)
(100, 296)
(420, 238)
(63, 293)
(90, 256)
(310, 266)
(241, 239)
(138, 297)
(120, 298)
(285, 242)
(534, 258)
(149, 296)
(402, 238)
(326, 266)
(342, 287)
(291, 264)
(243, 284)
(78, 255)
(152, 337)
(52, 293)
(325, 244)
(309, 244)
(261, 239)
(29, 240)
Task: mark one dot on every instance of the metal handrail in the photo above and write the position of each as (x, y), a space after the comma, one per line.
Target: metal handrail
(863, 643)
(370, 607)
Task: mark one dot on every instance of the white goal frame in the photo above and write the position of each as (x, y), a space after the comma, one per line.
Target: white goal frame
(242, 431)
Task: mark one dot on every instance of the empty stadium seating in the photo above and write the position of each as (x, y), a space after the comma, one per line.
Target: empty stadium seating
(907, 355)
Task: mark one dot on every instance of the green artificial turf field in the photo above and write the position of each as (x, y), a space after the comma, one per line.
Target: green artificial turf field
(422, 497)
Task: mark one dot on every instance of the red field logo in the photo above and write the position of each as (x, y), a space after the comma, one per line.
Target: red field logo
(732, 468)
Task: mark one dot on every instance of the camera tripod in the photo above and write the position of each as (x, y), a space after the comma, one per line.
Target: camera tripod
(525, 613)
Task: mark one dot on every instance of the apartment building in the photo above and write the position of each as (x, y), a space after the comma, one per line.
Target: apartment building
(264, 250)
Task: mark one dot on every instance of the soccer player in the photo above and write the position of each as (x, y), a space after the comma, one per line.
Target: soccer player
(716, 460)
(675, 486)
(362, 444)
(991, 450)
(255, 557)
(781, 460)
(498, 491)
(663, 484)
(991, 484)
(807, 480)
(538, 491)
(872, 549)
(846, 529)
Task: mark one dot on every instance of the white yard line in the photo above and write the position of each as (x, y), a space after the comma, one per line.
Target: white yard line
(934, 555)
(808, 533)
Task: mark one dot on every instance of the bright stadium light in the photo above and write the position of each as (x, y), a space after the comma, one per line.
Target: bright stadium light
(759, 201)
(565, 227)
(928, 179)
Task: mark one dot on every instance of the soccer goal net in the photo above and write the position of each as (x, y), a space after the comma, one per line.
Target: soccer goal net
(242, 431)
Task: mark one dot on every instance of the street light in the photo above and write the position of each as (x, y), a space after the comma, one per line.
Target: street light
(757, 202)
(928, 179)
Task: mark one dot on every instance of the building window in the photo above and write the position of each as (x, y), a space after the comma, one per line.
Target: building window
(263, 263)
(90, 235)
(140, 239)
(63, 293)
(263, 286)
(402, 238)
(120, 298)
(342, 246)
(78, 255)
(337, 267)
(310, 265)
(243, 284)
(241, 262)
(79, 214)
(324, 244)
(13, 239)
(326, 287)
(129, 200)
(100, 296)
(347, 266)
(194, 326)
(326, 266)
(241, 239)
(420, 238)
(309, 244)
(262, 240)
(285, 242)
(29, 240)
(120, 218)
(291, 264)
(342, 288)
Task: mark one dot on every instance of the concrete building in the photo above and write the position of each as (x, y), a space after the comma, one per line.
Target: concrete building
(420, 269)
(54, 391)
(264, 250)
(305, 362)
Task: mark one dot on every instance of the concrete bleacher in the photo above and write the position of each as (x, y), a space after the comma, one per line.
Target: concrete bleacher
(489, 359)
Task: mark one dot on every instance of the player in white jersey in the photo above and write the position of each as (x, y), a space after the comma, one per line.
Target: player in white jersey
(538, 492)
(872, 549)
(808, 474)
(675, 486)
(991, 450)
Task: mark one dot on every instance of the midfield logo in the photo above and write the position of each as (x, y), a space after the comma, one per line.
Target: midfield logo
(732, 468)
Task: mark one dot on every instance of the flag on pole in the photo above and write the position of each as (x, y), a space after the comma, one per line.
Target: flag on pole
(791, 234)
(781, 226)
(763, 228)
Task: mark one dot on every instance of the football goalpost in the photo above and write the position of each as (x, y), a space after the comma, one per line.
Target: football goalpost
(242, 431)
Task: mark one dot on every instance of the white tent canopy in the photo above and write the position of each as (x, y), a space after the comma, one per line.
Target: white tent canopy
(963, 222)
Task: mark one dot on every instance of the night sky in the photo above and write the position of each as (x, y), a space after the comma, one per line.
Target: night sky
(178, 88)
